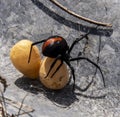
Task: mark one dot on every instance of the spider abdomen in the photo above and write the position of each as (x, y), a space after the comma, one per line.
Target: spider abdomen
(54, 46)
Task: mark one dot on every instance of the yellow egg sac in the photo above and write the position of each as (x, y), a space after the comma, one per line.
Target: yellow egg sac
(60, 78)
(19, 54)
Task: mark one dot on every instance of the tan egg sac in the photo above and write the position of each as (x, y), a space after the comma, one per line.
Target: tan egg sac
(59, 80)
(19, 54)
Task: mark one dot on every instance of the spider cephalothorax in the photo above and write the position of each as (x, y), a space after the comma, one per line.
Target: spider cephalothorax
(57, 47)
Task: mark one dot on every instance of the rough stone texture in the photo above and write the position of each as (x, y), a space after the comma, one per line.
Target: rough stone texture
(39, 19)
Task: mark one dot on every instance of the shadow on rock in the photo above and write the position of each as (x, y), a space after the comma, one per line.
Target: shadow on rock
(27, 83)
(99, 95)
(62, 98)
(79, 27)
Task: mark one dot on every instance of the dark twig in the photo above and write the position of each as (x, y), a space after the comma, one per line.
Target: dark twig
(79, 16)
(4, 83)
(22, 104)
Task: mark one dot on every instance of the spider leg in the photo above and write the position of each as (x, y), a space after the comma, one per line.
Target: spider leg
(77, 40)
(57, 69)
(52, 65)
(73, 74)
(84, 49)
(84, 89)
(84, 58)
(85, 46)
(32, 47)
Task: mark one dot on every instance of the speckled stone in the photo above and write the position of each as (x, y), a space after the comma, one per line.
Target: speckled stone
(39, 19)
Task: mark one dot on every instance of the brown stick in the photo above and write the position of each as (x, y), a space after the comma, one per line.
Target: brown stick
(18, 104)
(79, 16)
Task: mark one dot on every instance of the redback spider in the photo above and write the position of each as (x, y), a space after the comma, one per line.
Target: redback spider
(57, 47)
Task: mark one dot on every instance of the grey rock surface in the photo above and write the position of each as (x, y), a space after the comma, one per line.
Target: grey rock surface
(39, 19)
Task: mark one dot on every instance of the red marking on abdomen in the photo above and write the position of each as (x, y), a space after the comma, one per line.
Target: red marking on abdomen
(50, 41)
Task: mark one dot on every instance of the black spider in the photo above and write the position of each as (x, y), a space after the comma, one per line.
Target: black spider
(57, 47)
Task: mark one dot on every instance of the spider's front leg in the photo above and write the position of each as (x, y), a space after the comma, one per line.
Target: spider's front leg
(72, 72)
(35, 43)
(53, 64)
(73, 76)
(84, 48)
(84, 58)
(76, 41)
